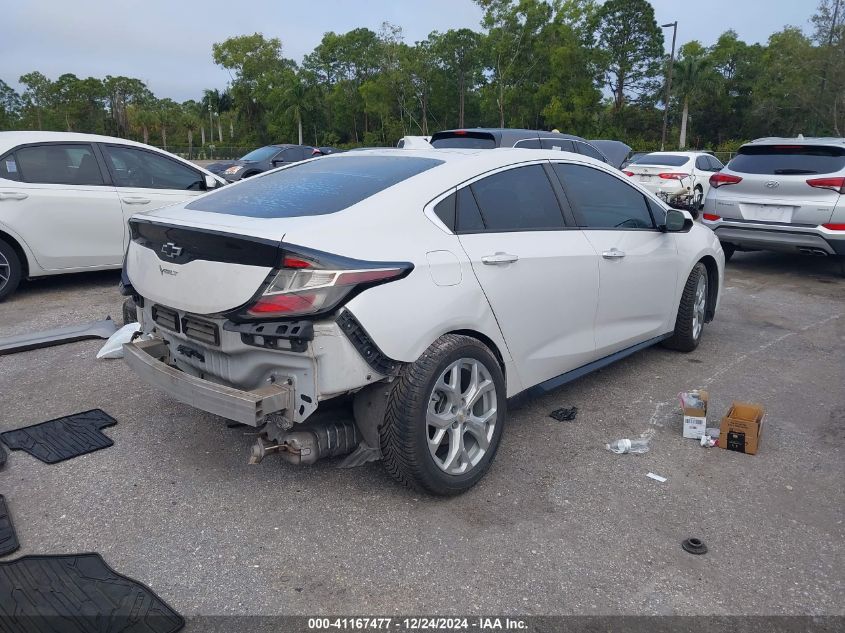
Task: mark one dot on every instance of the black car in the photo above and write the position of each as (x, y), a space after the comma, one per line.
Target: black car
(610, 152)
(262, 159)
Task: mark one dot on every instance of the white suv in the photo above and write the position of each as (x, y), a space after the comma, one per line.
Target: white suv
(65, 199)
(386, 303)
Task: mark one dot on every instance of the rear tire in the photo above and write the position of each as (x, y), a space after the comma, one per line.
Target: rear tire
(692, 312)
(11, 270)
(445, 416)
(729, 250)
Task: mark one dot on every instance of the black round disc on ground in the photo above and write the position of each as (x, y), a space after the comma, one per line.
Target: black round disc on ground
(694, 546)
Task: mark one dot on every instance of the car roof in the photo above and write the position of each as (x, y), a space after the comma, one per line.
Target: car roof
(11, 139)
(19, 137)
(697, 153)
(797, 140)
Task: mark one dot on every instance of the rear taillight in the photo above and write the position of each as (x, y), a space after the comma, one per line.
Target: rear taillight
(711, 217)
(673, 176)
(627, 173)
(311, 282)
(834, 227)
(834, 184)
(718, 180)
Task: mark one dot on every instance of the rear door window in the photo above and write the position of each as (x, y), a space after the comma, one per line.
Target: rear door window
(318, 187)
(715, 163)
(469, 215)
(445, 210)
(520, 199)
(788, 159)
(602, 201)
(702, 163)
(528, 143)
(58, 164)
(134, 167)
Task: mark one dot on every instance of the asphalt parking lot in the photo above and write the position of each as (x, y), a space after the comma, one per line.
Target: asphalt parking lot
(558, 526)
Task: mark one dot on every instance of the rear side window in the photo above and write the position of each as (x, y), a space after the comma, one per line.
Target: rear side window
(445, 210)
(318, 187)
(788, 159)
(520, 199)
(58, 164)
(602, 201)
(465, 140)
(715, 164)
(529, 143)
(667, 160)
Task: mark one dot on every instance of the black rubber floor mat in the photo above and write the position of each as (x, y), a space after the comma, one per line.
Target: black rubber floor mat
(8, 538)
(78, 593)
(60, 439)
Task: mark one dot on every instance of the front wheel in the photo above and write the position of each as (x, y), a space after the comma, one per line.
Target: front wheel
(445, 417)
(691, 312)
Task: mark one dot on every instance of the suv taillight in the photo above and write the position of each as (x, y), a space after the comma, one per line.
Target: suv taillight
(718, 180)
(311, 282)
(834, 184)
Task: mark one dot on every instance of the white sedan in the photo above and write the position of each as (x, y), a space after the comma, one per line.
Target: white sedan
(65, 199)
(673, 173)
(385, 304)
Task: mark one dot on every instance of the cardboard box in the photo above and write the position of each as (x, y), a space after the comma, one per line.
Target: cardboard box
(741, 428)
(695, 420)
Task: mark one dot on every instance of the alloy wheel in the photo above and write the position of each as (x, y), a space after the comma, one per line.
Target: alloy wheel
(461, 416)
(5, 271)
(699, 306)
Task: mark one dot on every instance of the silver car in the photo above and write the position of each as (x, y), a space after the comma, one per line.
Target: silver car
(781, 194)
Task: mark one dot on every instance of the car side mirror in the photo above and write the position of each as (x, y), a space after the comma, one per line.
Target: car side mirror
(211, 183)
(677, 221)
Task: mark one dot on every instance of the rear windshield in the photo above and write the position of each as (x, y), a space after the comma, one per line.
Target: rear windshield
(465, 140)
(788, 159)
(669, 160)
(325, 185)
(262, 153)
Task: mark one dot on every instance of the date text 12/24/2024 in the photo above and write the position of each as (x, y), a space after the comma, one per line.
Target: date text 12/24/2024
(481, 624)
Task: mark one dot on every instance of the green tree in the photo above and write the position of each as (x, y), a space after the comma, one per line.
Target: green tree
(296, 97)
(458, 52)
(10, 106)
(631, 46)
(38, 96)
(693, 77)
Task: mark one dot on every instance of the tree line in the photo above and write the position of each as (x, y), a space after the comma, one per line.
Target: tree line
(596, 70)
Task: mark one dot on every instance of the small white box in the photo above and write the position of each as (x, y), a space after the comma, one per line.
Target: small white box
(695, 420)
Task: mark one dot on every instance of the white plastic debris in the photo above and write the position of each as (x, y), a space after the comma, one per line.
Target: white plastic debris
(708, 441)
(114, 346)
(656, 477)
(638, 445)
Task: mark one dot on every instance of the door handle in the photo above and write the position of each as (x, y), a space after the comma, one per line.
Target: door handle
(12, 195)
(136, 200)
(613, 253)
(499, 259)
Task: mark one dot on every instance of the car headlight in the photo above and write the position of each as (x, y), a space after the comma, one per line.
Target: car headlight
(234, 169)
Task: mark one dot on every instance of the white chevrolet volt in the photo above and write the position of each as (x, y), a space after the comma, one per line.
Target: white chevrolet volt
(385, 304)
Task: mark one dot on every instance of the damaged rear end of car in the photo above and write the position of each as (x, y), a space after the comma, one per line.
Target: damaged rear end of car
(239, 323)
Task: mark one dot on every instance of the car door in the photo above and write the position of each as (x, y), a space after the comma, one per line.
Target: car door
(147, 180)
(638, 263)
(539, 275)
(62, 206)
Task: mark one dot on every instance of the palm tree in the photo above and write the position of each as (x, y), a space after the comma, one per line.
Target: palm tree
(693, 76)
(296, 96)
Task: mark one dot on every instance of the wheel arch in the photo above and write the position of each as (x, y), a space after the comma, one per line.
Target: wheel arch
(712, 286)
(19, 251)
(489, 343)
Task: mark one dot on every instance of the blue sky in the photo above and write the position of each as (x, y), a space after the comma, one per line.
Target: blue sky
(167, 43)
